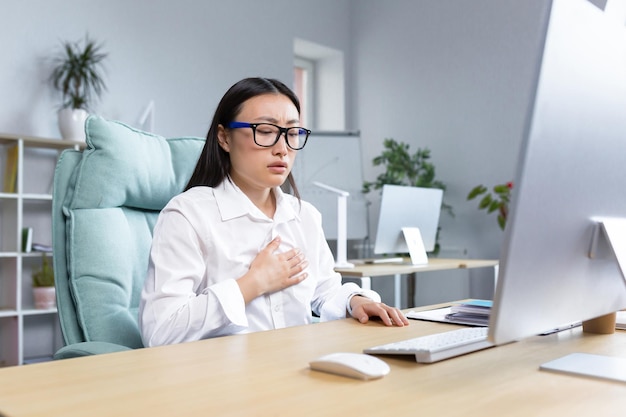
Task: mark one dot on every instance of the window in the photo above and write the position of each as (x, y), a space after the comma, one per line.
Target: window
(319, 84)
(303, 83)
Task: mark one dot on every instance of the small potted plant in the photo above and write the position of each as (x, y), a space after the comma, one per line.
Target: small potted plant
(77, 74)
(43, 285)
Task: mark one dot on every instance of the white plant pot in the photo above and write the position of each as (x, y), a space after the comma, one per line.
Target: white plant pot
(45, 297)
(72, 124)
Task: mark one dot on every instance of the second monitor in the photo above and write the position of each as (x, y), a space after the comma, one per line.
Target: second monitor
(407, 207)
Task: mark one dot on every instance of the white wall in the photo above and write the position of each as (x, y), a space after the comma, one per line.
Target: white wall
(182, 54)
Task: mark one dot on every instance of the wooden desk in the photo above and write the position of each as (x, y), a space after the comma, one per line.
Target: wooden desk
(267, 374)
(367, 271)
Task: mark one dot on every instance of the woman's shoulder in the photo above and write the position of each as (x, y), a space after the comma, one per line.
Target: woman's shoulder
(193, 196)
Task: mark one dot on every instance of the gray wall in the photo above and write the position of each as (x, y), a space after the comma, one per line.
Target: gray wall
(451, 75)
(455, 77)
(182, 54)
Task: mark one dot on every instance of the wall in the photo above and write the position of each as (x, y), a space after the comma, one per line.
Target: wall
(182, 54)
(454, 77)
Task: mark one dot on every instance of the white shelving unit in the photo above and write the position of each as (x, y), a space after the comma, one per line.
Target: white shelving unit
(27, 334)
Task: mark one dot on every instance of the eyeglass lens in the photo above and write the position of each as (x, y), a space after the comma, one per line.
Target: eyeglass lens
(266, 134)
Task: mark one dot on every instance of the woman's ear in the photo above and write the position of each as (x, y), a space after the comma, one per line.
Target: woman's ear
(222, 138)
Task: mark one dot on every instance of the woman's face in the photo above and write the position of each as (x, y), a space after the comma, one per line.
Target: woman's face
(255, 168)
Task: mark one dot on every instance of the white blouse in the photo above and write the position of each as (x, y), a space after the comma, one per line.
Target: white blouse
(206, 238)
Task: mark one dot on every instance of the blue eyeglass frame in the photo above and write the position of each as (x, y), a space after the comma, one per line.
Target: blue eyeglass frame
(281, 131)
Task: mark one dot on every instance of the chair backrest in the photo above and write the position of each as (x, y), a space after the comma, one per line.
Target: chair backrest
(106, 200)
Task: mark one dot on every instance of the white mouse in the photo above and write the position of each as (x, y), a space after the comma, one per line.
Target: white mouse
(353, 365)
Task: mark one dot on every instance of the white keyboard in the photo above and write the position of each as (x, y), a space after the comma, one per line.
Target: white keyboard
(437, 347)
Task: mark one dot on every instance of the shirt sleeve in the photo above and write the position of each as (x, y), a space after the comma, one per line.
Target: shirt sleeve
(331, 301)
(175, 307)
(338, 307)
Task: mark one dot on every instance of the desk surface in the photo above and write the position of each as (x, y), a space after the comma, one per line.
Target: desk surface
(434, 264)
(267, 374)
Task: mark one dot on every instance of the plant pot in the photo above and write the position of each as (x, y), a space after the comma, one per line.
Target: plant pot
(72, 124)
(45, 297)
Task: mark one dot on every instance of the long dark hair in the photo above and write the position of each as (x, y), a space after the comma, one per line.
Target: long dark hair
(214, 163)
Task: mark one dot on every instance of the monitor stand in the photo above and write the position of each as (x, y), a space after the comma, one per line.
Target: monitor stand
(608, 233)
(414, 242)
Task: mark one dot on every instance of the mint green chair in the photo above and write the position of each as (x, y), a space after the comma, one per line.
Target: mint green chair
(106, 200)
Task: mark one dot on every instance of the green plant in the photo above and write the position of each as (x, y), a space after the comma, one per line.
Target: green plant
(402, 168)
(498, 201)
(44, 277)
(77, 73)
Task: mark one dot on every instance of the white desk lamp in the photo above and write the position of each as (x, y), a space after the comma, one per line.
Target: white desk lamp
(342, 221)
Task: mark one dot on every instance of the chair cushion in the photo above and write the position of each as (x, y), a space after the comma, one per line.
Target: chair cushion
(123, 166)
(124, 179)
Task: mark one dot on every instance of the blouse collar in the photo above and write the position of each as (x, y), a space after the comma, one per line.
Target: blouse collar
(233, 203)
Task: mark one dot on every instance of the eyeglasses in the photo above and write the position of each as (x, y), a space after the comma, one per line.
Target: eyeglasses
(268, 134)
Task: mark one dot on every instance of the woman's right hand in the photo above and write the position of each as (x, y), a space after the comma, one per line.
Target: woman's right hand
(271, 271)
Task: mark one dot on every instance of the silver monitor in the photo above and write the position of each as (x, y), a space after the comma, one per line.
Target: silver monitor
(572, 172)
(403, 206)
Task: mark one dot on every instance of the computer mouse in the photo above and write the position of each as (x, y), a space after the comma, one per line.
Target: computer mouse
(353, 365)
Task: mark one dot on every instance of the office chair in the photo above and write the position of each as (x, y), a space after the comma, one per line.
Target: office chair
(105, 203)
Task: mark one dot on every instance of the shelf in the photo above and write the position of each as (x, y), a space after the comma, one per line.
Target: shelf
(35, 142)
(30, 361)
(8, 313)
(26, 332)
(42, 197)
(35, 254)
(38, 311)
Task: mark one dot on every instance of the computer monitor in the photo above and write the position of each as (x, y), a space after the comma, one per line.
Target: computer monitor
(571, 173)
(403, 206)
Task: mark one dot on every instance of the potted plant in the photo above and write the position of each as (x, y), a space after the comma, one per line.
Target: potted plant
(43, 285)
(402, 168)
(77, 75)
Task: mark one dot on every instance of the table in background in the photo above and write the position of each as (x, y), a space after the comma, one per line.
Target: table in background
(365, 272)
(267, 374)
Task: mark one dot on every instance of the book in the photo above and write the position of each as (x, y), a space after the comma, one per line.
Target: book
(10, 170)
(473, 307)
(441, 315)
(469, 313)
(40, 247)
(472, 311)
(27, 239)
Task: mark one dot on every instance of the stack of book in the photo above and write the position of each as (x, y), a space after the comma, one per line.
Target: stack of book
(29, 246)
(470, 312)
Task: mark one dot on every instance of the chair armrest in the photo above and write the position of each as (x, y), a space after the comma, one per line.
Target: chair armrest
(77, 350)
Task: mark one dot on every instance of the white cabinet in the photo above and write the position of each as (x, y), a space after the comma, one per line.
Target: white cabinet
(26, 333)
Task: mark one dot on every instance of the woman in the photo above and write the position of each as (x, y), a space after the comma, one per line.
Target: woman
(233, 253)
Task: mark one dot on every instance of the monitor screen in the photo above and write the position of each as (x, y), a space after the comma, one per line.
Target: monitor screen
(403, 206)
(571, 172)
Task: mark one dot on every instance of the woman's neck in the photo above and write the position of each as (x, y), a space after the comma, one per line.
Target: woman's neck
(264, 199)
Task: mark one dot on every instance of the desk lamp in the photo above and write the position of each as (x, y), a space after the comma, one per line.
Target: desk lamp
(342, 220)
